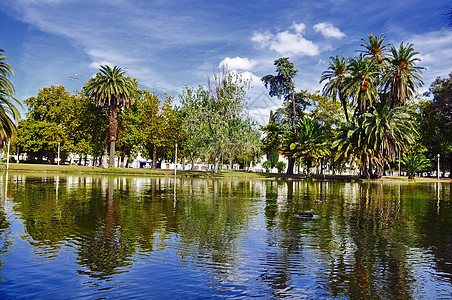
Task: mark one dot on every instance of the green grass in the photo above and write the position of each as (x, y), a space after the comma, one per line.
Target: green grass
(37, 168)
(131, 171)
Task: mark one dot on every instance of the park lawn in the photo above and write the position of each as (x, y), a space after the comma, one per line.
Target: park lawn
(39, 168)
(130, 171)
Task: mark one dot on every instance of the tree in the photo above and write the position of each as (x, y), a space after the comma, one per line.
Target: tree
(363, 82)
(336, 75)
(215, 119)
(375, 48)
(437, 120)
(271, 143)
(112, 89)
(389, 132)
(8, 111)
(309, 142)
(402, 76)
(414, 163)
(41, 133)
(282, 86)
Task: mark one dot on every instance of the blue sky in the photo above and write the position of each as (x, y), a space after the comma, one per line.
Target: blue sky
(168, 44)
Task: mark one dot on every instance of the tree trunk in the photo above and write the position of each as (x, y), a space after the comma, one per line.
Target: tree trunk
(450, 165)
(113, 129)
(154, 157)
(105, 155)
(216, 163)
(291, 164)
(231, 163)
(192, 162)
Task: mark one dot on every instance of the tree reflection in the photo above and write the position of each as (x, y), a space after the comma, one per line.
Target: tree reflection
(106, 248)
(361, 244)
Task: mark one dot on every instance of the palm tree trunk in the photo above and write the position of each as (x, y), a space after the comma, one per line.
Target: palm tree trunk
(291, 163)
(113, 126)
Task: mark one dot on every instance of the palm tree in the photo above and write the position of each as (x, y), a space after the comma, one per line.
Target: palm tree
(351, 146)
(389, 132)
(414, 163)
(309, 142)
(402, 76)
(363, 82)
(336, 75)
(8, 112)
(375, 48)
(111, 88)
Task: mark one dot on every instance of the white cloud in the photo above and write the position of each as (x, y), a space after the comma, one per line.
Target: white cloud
(237, 63)
(290, 42)
(434, 51)
(328, 30)
(96, 64)
(261, 38)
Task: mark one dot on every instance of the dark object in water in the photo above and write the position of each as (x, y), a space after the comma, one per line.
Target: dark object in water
(306, 216)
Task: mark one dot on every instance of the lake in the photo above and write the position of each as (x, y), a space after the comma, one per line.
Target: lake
(94, 237)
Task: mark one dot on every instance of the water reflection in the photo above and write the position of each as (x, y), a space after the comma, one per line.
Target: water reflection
(233, 238)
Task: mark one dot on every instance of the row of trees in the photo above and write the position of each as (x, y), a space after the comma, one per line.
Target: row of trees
(112, 113)
(375, 87)
(363, 117)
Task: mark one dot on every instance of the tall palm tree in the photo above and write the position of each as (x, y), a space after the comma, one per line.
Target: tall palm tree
(336, 75)
(8, 111)
(363, 82)
(309, 142)
(111, 88)
(402, 76)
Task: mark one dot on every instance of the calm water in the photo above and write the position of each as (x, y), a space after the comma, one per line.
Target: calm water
(70, 237)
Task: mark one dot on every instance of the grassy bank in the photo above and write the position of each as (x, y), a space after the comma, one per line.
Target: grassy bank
(35, 168)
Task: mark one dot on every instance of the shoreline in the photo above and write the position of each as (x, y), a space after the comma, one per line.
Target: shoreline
(66, 169)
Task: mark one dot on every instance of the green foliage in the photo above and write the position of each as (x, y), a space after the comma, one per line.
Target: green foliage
(281, 166)
(55, 116)
(377, 84)
(281, 85)
(215, 121)
(110, 88)
(267, 166)
(309, 142)
(414, 163)
(8, 111)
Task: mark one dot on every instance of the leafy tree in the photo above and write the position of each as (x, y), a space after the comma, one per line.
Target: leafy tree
(129, 133)
(41, 133)
(215, 120)
(159, 127)
(282, 86)
(436, 124)
(326, 111)
(112, 89)
(281, 166)
(8, 111)
(271, 143)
